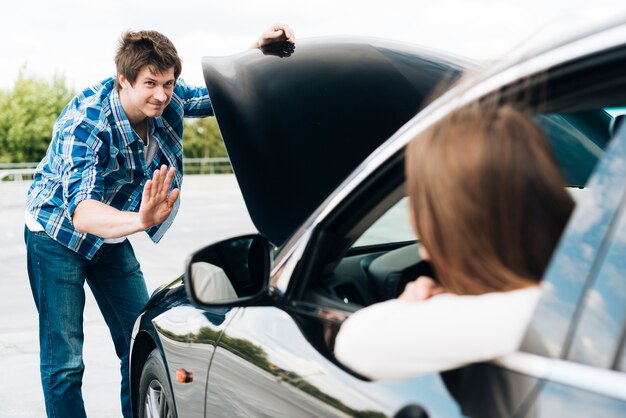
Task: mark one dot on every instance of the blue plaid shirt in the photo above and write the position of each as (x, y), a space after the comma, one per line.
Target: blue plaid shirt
(96, 154)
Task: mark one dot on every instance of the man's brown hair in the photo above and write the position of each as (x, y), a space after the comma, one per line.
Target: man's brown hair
(137, 50)
(487, 199)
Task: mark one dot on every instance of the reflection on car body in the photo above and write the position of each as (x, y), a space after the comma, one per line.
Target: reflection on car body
(318, 186)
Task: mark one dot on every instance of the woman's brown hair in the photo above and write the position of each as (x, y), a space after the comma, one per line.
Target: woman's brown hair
(487, 199)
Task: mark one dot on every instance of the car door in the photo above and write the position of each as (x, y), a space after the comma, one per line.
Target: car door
(267, 366)
(590, 378)
(187, 337)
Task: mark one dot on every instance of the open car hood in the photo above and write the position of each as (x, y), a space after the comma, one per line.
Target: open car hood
(297, 124)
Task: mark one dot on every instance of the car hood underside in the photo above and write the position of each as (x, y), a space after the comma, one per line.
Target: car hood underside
(296, 126)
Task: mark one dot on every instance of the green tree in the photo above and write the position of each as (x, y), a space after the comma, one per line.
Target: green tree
(246, 349)
(28, 112)
(27, 115)
(202, 139)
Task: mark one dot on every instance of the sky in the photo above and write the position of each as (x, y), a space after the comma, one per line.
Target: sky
(77, 38)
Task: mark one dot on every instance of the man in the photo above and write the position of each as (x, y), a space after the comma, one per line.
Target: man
(105, 176)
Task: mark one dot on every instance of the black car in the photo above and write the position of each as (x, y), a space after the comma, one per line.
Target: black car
(317, 142)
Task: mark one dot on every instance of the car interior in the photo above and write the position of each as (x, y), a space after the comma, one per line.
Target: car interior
(367, 252)
(379, 254)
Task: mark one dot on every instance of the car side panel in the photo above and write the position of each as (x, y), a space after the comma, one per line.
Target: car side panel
(188, 336)
(264, 366)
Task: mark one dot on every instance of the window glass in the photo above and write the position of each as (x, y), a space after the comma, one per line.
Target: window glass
(577, 140)
(599, 333)
(393, 226)
(570, 268)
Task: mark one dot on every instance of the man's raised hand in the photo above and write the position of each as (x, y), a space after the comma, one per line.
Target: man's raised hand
(157, 201)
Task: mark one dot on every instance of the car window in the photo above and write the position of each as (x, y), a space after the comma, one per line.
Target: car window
(588, 255)
(392, 226)
(577, 139)
(383, 257)
(599, 332)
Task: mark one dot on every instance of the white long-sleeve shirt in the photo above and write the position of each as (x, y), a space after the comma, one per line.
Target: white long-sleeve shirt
(397, 339)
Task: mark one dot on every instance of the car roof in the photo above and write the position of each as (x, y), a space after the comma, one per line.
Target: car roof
(296, 126)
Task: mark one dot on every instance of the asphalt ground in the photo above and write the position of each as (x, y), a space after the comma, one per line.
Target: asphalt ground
(212, 208)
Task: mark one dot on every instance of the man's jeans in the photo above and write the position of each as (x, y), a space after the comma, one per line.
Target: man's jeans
(57, 277)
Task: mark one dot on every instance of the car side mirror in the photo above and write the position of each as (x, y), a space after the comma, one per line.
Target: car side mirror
(233, 272)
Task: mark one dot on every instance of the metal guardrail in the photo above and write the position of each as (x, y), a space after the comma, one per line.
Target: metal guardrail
(17, 165)
(18, 174)
(215, 165)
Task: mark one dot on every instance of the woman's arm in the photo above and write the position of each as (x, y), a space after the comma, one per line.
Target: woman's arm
(398, 339)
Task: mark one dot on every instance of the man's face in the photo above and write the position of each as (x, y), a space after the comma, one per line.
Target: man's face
(148, 95)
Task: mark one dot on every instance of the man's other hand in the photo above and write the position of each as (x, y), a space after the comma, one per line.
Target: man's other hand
(275, 33)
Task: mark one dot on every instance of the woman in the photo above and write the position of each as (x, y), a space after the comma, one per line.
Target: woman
(489, 205)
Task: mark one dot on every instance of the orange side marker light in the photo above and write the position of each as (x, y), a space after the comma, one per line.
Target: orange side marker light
(183, 376)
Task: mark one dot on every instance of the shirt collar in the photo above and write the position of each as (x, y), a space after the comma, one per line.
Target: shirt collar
(158, 122)
(121, 121)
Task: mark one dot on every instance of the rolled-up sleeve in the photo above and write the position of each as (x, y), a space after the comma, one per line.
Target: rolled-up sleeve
(82, 168)
(397, 339)
(196, 101)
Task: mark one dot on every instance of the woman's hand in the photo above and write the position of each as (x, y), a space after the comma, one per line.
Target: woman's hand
(421, 289)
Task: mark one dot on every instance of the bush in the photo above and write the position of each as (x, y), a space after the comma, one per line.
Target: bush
(29, 110)
(27, 115)
(202, 139)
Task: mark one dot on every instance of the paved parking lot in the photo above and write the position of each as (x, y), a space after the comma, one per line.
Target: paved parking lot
(211, 209)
